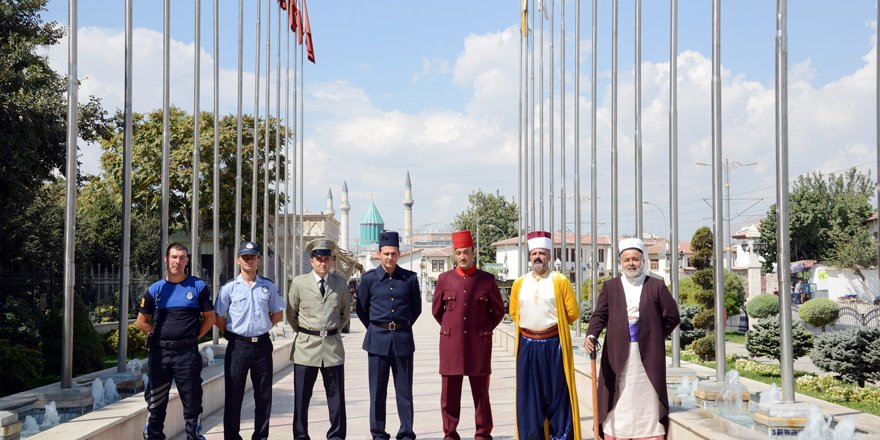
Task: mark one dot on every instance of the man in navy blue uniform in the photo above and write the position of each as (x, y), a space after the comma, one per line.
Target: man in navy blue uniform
(175, 305)
(388, 304)
(247, 308)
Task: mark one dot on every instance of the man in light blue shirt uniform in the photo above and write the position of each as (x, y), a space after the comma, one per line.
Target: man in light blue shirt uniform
(247, 308)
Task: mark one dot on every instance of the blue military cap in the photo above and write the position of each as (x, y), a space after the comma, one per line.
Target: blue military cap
(249, 248)
(389, 238)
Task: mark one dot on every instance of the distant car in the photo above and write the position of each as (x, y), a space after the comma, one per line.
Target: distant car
(877, 300)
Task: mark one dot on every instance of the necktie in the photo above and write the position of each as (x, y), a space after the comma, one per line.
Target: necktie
(321, 287)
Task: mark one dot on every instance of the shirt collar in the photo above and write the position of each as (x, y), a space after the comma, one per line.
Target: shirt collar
(318, 279)
(385, 273)
(257, 280)
(468, 272)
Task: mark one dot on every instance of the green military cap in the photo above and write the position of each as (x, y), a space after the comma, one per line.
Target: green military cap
(321, 247)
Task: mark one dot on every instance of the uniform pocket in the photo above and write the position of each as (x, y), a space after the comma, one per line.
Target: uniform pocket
(482, 303)
(449, 301)
(446, 330)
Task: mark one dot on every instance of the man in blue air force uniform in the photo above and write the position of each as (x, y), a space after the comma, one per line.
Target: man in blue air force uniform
(247, 308)
(388, 304)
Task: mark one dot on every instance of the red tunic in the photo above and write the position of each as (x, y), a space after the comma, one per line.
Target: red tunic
(468, 308)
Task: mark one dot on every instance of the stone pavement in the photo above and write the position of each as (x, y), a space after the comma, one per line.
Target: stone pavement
(426, 393)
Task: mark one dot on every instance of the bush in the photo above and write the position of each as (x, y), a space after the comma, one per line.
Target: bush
(853, 354)
(751, 366)
(587, 287)
(764, 305)
(763, 340)
(137, 342)
(705, 319)
(688, 292)
(700, 289)
(586, 311)
(819, 312)
(88, 350)
(837, 391)
(19, 367)
(704, 347)
(688, 332)
(705, 279)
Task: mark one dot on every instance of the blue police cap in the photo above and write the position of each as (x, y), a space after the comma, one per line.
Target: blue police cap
(389, 238)
(249, 248)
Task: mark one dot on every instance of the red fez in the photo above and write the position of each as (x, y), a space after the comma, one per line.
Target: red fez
(462, 239)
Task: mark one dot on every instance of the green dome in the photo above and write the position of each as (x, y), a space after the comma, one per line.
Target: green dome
(372, 216)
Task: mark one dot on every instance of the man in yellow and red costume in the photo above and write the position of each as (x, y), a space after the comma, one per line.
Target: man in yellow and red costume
(542, 306)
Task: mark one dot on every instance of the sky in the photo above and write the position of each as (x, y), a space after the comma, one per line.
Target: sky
(433, 88)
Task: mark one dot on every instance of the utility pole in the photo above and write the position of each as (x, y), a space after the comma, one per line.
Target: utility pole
(727, 167)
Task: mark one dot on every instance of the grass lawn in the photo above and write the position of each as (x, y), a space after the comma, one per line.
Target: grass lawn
(736, 337)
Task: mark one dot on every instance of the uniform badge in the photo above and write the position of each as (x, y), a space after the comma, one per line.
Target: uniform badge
(265, 289)
(323, 243)
(143, 301)
(249, 246)
(159, 298)
(189, 296)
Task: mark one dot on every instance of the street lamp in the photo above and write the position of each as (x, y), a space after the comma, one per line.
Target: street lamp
(727, 167)
(662, 215)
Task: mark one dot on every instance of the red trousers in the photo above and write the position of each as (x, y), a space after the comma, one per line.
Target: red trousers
(450, 406)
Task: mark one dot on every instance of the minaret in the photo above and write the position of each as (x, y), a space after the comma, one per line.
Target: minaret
(329, 211)
(407, 211)
(344, 206)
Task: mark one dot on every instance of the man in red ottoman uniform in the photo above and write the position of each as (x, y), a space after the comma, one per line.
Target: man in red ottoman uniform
(468, 306)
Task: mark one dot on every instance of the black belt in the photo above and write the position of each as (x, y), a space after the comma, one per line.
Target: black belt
(253, 340)
(184, 343)
(321, 333)
(392, 325)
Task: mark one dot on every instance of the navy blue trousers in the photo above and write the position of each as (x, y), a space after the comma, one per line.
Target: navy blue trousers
(304, 378)
(401, 367)
(184, 366)
(541, 390)
(242, 358)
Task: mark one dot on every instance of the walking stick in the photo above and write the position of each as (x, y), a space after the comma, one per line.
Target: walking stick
(594, 381)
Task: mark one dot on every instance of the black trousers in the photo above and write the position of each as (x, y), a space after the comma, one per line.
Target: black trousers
(184, 366)
(401, 367)
(241, 358)
(304, 378)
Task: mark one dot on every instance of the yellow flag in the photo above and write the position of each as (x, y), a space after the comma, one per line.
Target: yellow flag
(525, 20)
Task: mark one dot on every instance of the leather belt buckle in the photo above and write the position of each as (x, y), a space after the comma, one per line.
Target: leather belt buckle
(392, 325)
(322, 334)
(255, 339)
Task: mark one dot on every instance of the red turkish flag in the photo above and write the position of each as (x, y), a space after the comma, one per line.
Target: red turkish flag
(307, 29)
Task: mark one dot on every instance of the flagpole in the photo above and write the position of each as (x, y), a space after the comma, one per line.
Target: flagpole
(519, 168)
(717, 206)
(266, 250)
(195, 259)
(284, 206)
(541, 111)
(297, 257)
(550, 183)
(238, 131)
(532, 122)
(275, 229)
(594, 196)
(215, 332)
(125, 257)
(562, 205)
(255, 160)
(673, 169)
(614, 222)
(302, 99)
(70, 207)
(577, 160)
(638, 122)
(166, 125)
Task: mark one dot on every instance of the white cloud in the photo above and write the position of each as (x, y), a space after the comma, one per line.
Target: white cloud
(451, 152)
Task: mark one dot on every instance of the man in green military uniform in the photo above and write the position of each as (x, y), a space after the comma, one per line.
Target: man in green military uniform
(318, 307)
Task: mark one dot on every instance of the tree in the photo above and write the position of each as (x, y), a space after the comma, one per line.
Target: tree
(147, 168)
(827, 220)
(494, 216)
(764, 305)
(853, 354)
(763, 339)
(702, 245)
(819, 312)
